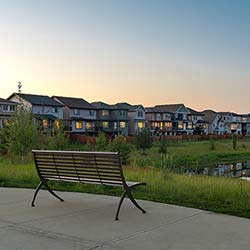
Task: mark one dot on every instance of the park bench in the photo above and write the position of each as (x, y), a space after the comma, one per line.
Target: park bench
(83, 167)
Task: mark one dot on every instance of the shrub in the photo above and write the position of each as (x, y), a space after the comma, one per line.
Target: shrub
(21, 133)
(101, 142)
(143, 140)
(120, 144)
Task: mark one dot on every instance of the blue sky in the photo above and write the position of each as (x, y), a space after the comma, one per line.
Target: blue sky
(140, 51)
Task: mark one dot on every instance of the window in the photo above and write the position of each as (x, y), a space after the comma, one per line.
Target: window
(168, 124)
(140, 124)
(78, 125)
(76, 112)
(91, 112)
(122, 124)
(140, 113)
(5, 107)
(158, 116)
(105, 124)
(190, 126)
(167, 117)
(45, 123)
(56, 124)
(180, 125)
(105, 112)
(88, 125)
(12, 108)
(123, 113)
(115, 125)
(54, 110)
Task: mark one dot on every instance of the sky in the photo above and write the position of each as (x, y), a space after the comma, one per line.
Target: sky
(149, 52)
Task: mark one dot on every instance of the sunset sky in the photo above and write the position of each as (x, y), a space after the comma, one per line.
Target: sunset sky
(139, 51)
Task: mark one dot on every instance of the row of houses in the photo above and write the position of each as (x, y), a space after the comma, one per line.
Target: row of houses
(79, 116)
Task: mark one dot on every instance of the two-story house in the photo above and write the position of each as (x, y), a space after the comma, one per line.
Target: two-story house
(233, 122)
(216, 124)
(79, 116)
(111, 119)
(136, 117)
(200, 125)
(170, 119)
(47, 111)
(246, 124)
(7, 110)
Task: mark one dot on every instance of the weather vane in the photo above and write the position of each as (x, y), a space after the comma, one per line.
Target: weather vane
(19, 87)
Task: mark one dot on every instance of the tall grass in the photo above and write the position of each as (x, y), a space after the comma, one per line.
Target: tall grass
(225, 195)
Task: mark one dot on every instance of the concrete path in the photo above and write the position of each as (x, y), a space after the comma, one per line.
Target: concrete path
(86, 221)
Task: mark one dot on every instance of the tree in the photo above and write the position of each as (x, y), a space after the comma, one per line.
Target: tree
(101, 142)
(21, 133)
(143, 140)
(120, 144)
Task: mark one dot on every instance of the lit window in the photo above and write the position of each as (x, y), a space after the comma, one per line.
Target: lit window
(105, 124)
(168, 124)
(45, 123)
(122, 124)
(140, 124)
(78, 125)
(105, 112)
(76, 112)
(56, 124)
(190, 126)
(180, 125)
(115, 125)
(88, 125)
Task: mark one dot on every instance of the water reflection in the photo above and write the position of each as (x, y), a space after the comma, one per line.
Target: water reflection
(239, 169)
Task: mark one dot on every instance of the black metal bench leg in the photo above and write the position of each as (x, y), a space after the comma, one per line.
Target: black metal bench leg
(35, 194)
(134, 202)
(52, 192)
(119, 206)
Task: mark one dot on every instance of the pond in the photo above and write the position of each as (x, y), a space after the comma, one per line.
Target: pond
(236, 170)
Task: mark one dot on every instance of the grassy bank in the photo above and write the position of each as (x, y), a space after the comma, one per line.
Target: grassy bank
(224, 195)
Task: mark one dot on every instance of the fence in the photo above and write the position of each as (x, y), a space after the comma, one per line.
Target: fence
(92, 140)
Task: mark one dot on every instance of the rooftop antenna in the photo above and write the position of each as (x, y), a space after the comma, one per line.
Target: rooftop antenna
(19, 87)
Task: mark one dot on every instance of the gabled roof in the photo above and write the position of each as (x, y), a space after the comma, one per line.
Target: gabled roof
(101, 105)
(193, 112)
(129, 107)
(168, 108)
(209, 115)
(152, 110)
(41, 100)
(74, 103)
(4, 101)
(118, 106)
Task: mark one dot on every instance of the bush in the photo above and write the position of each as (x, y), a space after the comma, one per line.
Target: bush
(143, 140)
(120, 144)
(101, 142)
(21, 134)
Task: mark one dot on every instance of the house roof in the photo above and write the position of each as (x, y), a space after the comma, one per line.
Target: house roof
(194, 112)
(117, 106)
(4, 101)
(41, 100)
(130, 107)
(209, 115)
(166, 108)
(74, 103)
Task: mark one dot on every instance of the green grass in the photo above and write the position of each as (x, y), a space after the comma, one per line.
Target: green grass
(224, 195)
(193, 154)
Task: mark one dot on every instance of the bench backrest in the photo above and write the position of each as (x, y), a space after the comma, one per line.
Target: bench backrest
(78, 166)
